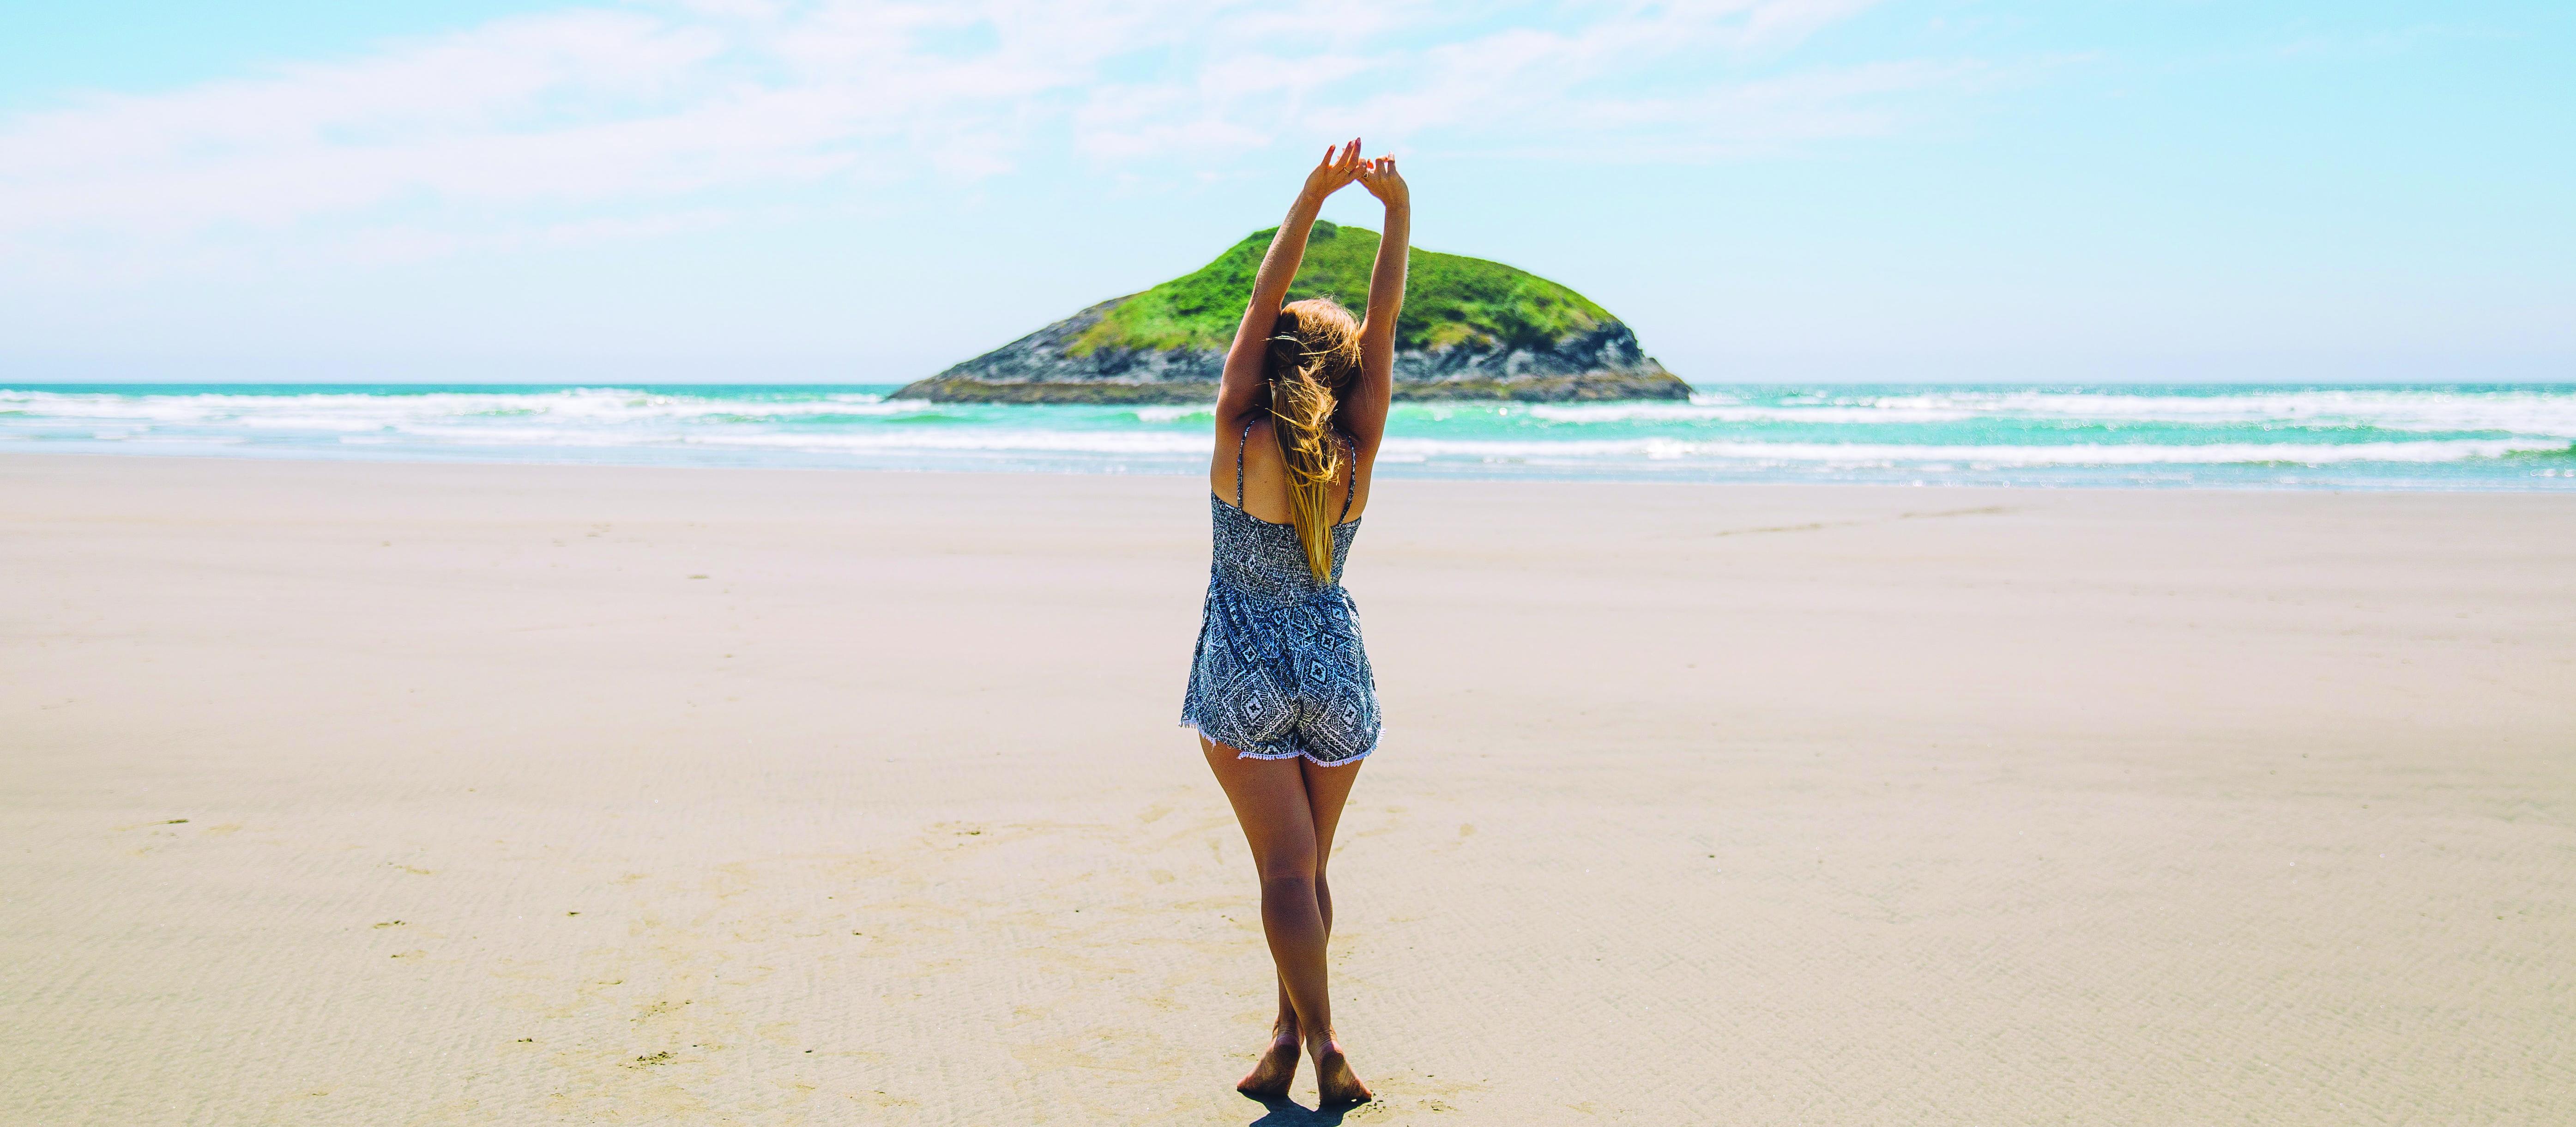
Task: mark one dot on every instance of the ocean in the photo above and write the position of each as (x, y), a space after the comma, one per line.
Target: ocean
(2373, 436)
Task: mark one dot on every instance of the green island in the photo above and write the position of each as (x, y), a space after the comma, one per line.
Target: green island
(1471, 329)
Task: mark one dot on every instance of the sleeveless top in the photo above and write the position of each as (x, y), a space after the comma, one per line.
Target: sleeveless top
(1280, 671)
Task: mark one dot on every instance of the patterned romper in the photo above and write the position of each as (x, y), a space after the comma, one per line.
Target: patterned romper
(1280, 672)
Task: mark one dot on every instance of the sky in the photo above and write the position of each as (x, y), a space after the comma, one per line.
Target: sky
(1765, 190)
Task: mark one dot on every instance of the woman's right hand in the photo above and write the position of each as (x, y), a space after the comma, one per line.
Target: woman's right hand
(1341, 165)
(1383, 181)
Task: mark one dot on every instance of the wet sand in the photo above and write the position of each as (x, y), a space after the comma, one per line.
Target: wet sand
(337, 793)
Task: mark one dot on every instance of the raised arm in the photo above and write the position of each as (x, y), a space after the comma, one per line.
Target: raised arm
(1241, 386)
(1363, 413)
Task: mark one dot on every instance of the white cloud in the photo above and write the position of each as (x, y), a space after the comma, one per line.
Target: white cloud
(504, 126)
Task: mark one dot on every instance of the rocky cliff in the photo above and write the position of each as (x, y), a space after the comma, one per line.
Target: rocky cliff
(1471, 329)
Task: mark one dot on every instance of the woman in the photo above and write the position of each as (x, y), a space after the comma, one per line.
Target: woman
(1280, 692)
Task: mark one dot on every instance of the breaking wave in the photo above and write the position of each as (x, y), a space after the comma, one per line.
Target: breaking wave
(2353, 437)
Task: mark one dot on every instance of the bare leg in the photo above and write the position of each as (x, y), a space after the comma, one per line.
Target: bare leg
(1327, 788)
(1278, 803)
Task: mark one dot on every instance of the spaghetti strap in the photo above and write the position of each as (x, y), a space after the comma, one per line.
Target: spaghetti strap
(1239, 444)
(1352, 450)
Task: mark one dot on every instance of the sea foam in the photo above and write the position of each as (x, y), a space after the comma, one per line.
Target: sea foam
(2352, 437)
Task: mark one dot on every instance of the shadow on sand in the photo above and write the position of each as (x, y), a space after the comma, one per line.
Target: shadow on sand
(1287, 1113)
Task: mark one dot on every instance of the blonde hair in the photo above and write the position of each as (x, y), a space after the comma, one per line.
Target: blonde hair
(1313, 360)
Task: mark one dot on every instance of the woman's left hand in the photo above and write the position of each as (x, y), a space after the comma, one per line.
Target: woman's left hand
(1336, 172)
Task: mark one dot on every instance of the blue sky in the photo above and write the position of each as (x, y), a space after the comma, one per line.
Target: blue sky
(1767, 190)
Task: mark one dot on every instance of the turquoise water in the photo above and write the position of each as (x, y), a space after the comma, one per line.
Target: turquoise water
(2377, 436)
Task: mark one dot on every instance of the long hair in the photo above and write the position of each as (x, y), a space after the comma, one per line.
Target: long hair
(1314, 358)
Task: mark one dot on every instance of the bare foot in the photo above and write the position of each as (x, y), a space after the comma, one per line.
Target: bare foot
(1269, 1079)
(1335, 1083)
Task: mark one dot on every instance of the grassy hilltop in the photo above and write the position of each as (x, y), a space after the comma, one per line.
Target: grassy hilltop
(1472, 329)
(1449, 299)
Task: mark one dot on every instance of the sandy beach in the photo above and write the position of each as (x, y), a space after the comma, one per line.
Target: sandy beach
(344, 793)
